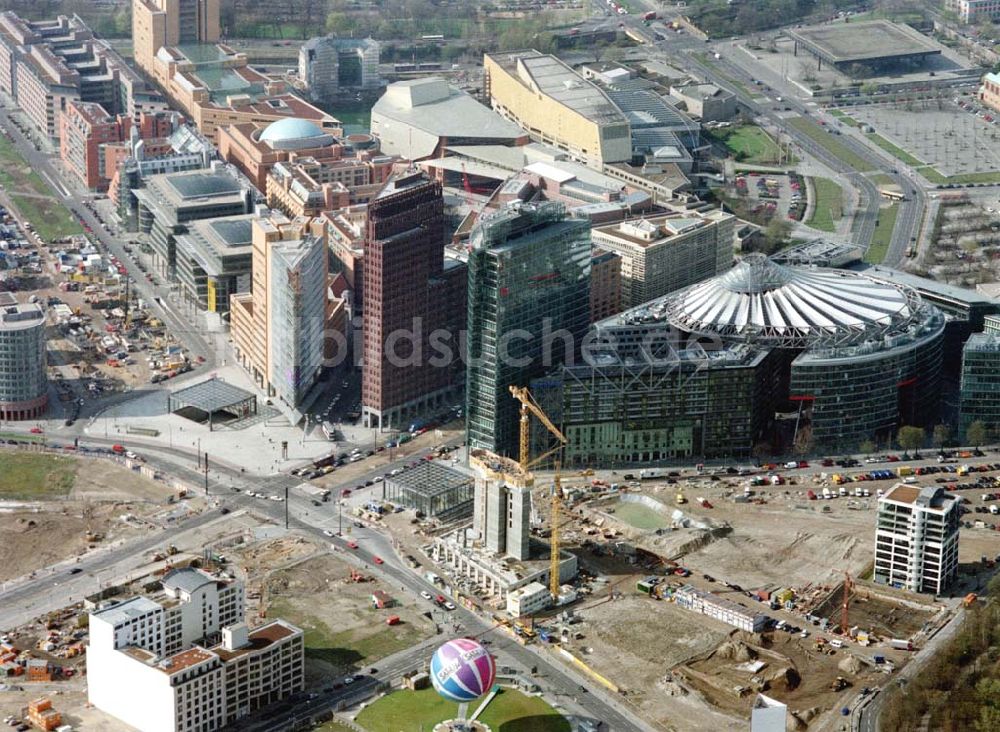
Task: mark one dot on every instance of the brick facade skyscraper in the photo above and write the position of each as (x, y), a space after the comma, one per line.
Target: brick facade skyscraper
(414, 303)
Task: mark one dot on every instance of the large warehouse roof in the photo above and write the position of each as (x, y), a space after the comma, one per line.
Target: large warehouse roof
(767, 303)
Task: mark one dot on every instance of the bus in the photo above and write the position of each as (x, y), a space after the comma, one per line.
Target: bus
(329, 431)
(651, 473)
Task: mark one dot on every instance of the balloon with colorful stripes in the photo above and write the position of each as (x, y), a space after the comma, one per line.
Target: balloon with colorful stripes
(462, 670)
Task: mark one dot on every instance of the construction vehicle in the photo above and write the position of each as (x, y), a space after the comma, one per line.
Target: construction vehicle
(680, 499)
(356, 576)
(528, 407)
(838, 684)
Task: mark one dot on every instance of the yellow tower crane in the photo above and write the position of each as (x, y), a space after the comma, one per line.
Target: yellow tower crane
(528, 407)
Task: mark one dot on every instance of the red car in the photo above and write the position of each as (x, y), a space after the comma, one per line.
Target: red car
(377, 560)
(352, 545)
(36, 430)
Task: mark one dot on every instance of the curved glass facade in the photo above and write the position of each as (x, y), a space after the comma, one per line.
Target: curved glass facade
(869, 392)
(23, 378)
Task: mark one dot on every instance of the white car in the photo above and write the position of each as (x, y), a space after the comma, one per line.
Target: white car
(327, 532)
(449, 605)
(248, 492)
(348, 680)
(425, 594)
(279, 499)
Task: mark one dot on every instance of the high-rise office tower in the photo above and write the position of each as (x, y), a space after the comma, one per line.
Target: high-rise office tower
(529, 303)
(414, 305)
(159, 23)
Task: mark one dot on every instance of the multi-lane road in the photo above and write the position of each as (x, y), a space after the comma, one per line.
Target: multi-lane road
(47, 591)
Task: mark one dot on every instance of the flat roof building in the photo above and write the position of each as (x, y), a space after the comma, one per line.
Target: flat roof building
(184, 661)
(872, 44)
(557, 106)
(706, 102)
(433, 489)
(23, 364)
(660, 254)
(214, 260)
(44, 65)
(169, 203)
(416, 119)
(916, 538)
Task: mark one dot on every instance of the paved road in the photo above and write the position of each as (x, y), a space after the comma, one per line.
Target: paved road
(228, 483)
(868, 715)
(66, 189)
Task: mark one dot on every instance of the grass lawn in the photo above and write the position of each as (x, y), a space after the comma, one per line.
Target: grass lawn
(28, 477)
(895, 150)
(349, 648)
(883, 234)
(845, 118)
(748, 144)
(50, 218)
(15, 173)
(831, 144)
(510, 711)
(934, 176)
(881, 179)
(333, 726)
(829, 205)
(639, 516)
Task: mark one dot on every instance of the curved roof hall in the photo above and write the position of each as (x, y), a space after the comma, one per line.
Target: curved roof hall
(771, 304)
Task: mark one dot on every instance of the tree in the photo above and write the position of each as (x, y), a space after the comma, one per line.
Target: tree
(911, 438)
(941, 435)
(776, 234)
(976, 433)
(339, 23)
(867, 447)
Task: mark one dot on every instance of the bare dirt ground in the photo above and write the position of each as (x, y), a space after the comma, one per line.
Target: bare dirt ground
(344, 631)
(39, 533)
(68, 698)
(635, 641)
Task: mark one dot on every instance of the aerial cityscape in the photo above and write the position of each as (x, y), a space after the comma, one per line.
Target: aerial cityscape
(461, 366)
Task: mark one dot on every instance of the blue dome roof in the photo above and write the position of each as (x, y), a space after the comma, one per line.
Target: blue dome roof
(291, 130)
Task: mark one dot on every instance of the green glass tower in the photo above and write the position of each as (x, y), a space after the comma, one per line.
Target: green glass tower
(529, 293)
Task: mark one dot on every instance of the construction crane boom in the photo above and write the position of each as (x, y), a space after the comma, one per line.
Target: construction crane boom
(529, 407)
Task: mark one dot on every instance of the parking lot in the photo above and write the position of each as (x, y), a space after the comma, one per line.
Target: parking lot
(952, 139)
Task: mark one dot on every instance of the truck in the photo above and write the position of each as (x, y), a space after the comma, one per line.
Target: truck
(652, 473)
(827, 494)
(903, 470)
(901, 644)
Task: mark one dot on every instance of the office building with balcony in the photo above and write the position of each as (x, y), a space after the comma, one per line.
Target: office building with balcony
(169, 203)
(529, 307)
(414, 305)
(23, 373)
(184, 660)
(916, 538)
(661, 254)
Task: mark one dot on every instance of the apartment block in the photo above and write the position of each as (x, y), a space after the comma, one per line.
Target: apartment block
(45, 65)
(85, 128)
(975, 11)
(184, 660)
(309, 187)
(661, 254)
(280, 328)
(345, 230)
(916, 538)
(989, 90)
(414, 305)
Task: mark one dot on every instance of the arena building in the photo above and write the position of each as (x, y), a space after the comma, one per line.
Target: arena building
(844, 356)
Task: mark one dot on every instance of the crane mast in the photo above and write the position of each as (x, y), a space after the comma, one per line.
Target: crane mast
(529, 407)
